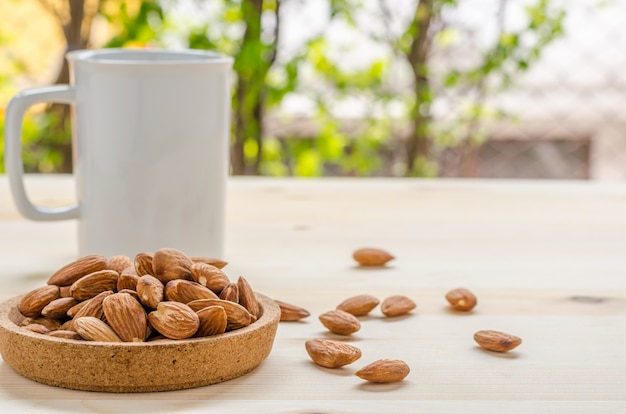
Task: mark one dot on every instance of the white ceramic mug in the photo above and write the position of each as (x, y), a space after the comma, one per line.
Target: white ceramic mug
(151, 135)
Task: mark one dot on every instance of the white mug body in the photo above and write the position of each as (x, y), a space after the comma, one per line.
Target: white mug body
(151, 134)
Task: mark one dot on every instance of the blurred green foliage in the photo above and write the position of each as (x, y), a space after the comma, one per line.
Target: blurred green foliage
(398, 133)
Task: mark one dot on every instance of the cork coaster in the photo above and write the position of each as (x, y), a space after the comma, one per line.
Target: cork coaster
(136, 367)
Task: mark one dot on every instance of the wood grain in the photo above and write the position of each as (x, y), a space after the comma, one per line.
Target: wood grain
(547, 261)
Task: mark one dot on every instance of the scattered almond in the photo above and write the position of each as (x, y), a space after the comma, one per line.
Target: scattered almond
(496, 341)
(371, 256)
(384, 371)
(340, 322)
(397, 305)
(290, 313)
(461, 299)
(359, 305)
(331, 354)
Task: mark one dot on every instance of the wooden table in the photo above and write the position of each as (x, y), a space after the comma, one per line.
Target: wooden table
(547, 261)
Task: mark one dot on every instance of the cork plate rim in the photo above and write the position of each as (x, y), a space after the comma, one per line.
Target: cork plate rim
(195, 361)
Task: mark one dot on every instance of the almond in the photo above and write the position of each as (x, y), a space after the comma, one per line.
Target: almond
(49, 323)
(219, 263)
(384, 371)
(209, 276)
(290, 313)
(230, 292)
(64, 291)
(369, 256)
(174, 320)
(397, 305)
(247, 298)
(237, 315)
(359, 305)
(119, 263)
(331, 354)
(93, 284)
(340, 322)
(461, 299)
(132, 293)
(213, 321)
(128, 279)
(496, 341)
(125, 316)
(143, 264)
(71, 272)
(185, 291)
(150, 291)
(93, 329)
(34, 301)
(65, 334)
(91, 307)
(57, 309)
(169, 264)
(37, 328)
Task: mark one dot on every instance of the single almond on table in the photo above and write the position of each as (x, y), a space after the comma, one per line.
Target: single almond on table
(210, 276)
(496, 341)
(331, 354)
(143, 264)
(174, 320)
(93, 284)
(213, 261)
(73, 271)
(34, 301)
(93, 329)
(150, 291)
(291, 313)
(213, 321)
(340, 322)
(359, 305)
(397, 305)
(461, 299)
(247, 298)
(238, 316)
(125, 316)
(369, 256)
(119, 263)
(384, 371)
(170, 264)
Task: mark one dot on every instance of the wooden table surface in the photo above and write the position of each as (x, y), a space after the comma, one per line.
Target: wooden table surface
(547, 261)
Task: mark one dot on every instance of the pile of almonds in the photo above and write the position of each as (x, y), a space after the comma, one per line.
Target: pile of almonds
(160, 295)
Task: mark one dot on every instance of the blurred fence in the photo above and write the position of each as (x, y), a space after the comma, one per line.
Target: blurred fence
(570, 108)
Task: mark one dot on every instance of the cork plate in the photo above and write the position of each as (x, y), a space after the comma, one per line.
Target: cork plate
(136, 367)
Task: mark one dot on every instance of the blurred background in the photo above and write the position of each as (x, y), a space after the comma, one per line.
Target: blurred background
(428, 88)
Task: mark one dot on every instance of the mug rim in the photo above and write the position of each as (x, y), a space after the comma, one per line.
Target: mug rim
(135, 56)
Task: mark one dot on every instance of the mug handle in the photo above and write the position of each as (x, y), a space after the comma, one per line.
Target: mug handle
(13, 150)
